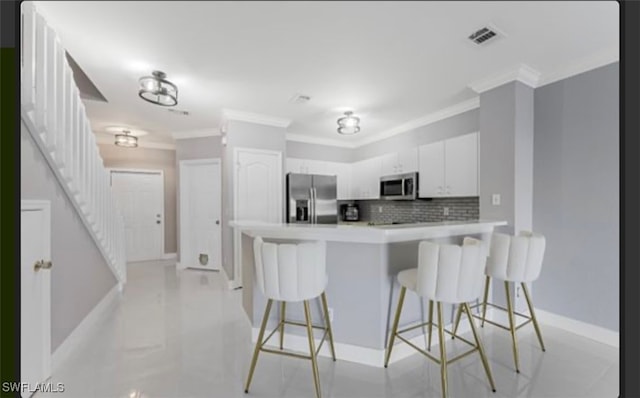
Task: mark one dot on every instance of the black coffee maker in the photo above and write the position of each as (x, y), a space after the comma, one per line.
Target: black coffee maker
(349, 212)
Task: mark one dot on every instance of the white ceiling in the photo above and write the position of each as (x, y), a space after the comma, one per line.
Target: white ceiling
(391, 62)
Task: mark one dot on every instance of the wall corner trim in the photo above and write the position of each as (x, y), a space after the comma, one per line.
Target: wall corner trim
(522, 73)
(84, 329)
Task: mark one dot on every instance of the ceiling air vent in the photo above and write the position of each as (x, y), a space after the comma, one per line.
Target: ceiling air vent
(178, 112)
(299, 99)
(484, 35)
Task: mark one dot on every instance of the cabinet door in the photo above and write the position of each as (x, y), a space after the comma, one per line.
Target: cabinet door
(461, 165)
(293, 165)
(319, 167)
(343, 174)
(389, 164)
(431, 170)
(373, 171)
(357, 178)
(407, 160)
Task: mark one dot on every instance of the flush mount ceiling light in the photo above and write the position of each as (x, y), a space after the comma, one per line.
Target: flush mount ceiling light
(348, 124)
(157, 90)
(126, 140)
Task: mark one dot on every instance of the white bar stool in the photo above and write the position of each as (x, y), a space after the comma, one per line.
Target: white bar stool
(445, 274)
(513, 259)
(292, 273)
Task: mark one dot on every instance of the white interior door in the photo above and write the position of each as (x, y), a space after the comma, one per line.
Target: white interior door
(200, 211)
(258, 192)
(35, 306)
(139, 196)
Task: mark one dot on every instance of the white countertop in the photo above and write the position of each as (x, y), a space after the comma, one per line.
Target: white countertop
(365, 233)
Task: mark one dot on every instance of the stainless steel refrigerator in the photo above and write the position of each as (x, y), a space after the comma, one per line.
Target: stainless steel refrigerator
(311, 199)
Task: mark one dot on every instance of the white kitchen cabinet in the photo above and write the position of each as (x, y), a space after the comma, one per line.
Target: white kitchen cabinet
(461, 165)
(342, 171)
(449, 167)
(365, 178)
(431, 173)
(404, 161)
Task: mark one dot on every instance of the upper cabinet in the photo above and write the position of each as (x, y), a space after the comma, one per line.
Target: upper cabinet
(404, 161)
(449, 168)
(342, 171)
(365, 178)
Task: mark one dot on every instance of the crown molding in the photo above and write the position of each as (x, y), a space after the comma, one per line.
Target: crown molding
(523, 73)
(242, 116)
(308, 139)
(208, 132)
(107, 139)
(601, 58)
(436, 116)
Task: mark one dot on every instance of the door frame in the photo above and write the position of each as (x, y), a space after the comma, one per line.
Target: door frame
(111, 170)
(184, 193)
(45, 207)
(236, 282)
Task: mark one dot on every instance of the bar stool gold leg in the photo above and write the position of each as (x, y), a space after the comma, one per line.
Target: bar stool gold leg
(512, 327)
(325, 307)
(283, 307)
(533, 315)
(484, 300)
(312, 348)
(443, 352)
(457, 322)
(256, 351)
(394, 330)
(483, 356)
(430, 324)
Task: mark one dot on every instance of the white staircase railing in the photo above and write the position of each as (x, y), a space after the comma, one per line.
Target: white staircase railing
(56, 119)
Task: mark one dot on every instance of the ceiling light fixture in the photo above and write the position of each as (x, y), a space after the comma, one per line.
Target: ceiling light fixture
(126, 140)
(348, 124)
(157, 90)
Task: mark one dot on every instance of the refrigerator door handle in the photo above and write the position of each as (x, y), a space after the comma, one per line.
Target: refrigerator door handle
(311, 205)
(315, 214)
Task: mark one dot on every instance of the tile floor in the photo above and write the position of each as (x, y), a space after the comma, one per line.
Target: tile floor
(181, 334)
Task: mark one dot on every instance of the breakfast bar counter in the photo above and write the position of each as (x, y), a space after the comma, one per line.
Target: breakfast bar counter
(362, 262)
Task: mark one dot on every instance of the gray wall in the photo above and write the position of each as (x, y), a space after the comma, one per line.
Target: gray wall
(497, 146)
(150, 159)
(198, 148)
(576, 196)
(461, 124)
(244, 135)
(190, 149)
(80, 277)
(303, 150)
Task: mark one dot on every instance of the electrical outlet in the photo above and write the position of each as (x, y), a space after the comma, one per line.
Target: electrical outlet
(495, 199)
(331, 315)
(446, 211)
(379, 209)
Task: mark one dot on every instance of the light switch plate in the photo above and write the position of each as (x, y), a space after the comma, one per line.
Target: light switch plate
(495, 199)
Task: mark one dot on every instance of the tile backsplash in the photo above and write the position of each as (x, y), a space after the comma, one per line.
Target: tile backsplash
(387, 211)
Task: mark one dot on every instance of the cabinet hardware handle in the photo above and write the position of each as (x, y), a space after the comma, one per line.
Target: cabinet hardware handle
(41, 264)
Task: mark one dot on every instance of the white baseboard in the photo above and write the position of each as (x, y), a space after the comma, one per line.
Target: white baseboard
(170, 256)
(358, 354)
(580, 328)
(84, 328)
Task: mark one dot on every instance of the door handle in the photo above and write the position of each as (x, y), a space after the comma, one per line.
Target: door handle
(41, 264)
(217, 222)
(158, 222)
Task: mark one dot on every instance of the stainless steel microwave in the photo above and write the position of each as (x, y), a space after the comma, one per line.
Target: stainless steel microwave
(399, 186)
